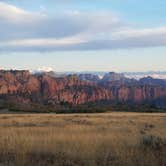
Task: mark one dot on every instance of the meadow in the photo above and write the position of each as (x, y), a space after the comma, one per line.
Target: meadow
(103, 139)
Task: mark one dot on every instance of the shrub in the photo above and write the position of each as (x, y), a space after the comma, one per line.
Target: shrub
(152, 142)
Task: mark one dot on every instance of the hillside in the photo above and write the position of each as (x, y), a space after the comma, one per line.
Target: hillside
(22, 87)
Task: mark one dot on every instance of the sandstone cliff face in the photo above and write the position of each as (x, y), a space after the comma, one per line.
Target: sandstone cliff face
(21, 86)
(137, 94)
(81, 95)
(48, 89)
(13, 82)
(71, 89)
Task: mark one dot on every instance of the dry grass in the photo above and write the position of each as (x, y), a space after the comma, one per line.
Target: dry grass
(127, 139)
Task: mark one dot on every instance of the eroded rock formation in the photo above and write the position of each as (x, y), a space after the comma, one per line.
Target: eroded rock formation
(22, 86)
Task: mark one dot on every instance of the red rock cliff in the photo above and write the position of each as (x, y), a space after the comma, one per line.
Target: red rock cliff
(47, 89)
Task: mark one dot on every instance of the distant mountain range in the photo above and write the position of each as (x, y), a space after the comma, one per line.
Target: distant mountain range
(100, 74)
(49, 88)
(138, 75)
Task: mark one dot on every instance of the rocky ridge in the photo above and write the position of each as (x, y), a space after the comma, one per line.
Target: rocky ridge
(24, 87)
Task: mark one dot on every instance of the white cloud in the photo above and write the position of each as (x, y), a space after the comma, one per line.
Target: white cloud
(15, 15)
(42, 42)
(134, 33)
(45, 69)
(71, 30)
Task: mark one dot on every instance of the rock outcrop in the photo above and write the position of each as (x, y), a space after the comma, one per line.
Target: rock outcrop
(22, 86)
(112, 76)
(89, 77)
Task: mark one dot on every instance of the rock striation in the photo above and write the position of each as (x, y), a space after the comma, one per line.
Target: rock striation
(24, 87)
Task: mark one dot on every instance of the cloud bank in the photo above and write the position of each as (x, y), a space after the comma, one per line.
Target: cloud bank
(22, 30)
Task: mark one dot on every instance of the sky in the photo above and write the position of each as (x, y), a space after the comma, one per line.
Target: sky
(76, 35)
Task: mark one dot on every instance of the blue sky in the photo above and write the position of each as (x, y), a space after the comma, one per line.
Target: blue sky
(79, 35)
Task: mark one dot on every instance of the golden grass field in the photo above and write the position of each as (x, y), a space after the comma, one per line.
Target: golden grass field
(107, 139)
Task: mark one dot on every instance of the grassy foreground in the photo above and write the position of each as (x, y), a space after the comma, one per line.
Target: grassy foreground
(107, 139)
